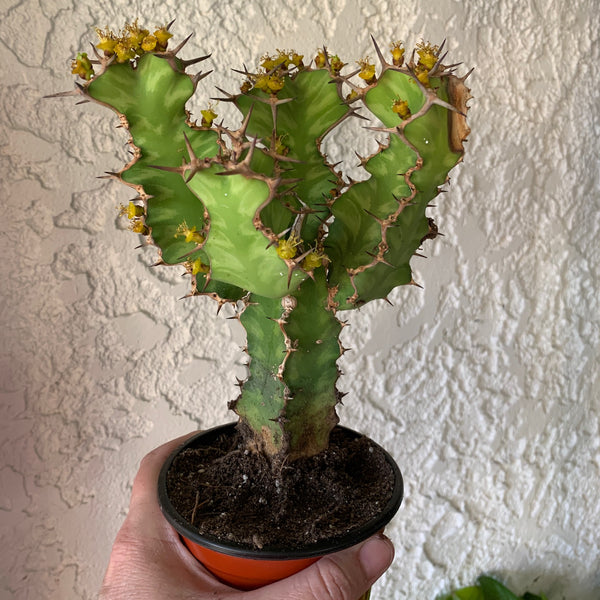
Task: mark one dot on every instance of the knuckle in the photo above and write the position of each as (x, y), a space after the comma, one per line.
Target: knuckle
(330, 582)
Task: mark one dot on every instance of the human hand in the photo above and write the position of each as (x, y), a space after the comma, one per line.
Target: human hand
(149, 561)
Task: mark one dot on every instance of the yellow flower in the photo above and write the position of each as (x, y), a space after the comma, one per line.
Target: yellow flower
(320, 59)
(108, 41)
(134, 211)
(400, 107)
(208, 116)
(336, 63)
(422, 74)
(427, 54)
(139, 226)
(287, 249)
(313, 260)
(367, 70)
(124, 52)
(190, 234)
(397, 51)
(163, 37)
(197, 266)
(82, 66)
(149, 43)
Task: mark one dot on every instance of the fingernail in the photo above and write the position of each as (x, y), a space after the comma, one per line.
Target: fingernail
(376, 555)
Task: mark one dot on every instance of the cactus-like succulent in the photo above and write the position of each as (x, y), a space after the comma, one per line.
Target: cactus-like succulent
(258, 216)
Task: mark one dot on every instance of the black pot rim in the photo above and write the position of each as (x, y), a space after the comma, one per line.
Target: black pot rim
(184, 528)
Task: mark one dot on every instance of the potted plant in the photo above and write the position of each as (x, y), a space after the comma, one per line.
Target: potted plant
(261, 220)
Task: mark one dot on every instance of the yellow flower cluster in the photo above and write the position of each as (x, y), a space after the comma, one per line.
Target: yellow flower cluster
(132, 41)
(428, 57)
(283, 59)
(335, 62)
(270, 78)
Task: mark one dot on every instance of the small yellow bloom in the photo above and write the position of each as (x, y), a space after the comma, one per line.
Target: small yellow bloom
(163, 37)
(270, 84)
(336, 63)
(197, 266)
(296, 59)
(313, 260)
(124, 52)
(400, 107)
(138, 226)
(287, 249)
(149, 43)
(422, 74)
(108, 41)
(134, 211)
(280, 147)
(428, 54)
(134, 34)
(190, 234)
(208, 116)
(320, 59)
(82, 66)
(367, 70)
(397, 50)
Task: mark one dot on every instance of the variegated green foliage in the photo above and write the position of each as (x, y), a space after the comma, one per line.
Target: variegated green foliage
(259, 217)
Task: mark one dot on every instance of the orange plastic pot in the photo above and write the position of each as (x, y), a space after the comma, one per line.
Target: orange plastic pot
(249, 568)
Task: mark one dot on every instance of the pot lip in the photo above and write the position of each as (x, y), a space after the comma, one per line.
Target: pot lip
(314, 550)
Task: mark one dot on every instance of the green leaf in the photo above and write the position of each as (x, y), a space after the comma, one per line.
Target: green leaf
(468, 593)
(494, 590)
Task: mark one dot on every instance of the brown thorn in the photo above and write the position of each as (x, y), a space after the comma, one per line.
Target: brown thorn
(244, 72)
(230, 97)
(110, 175)
(76, 92)
(193, 61)
(181, 169)
(447, 105)
(246, 122)
(379, 54)
(354, 113)
(380, 221)
(96, 53)
(181, 45)
(189, 148)
(199, 77)
(464, 77)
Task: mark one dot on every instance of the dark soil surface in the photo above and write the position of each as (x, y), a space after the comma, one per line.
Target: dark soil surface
(235, 495)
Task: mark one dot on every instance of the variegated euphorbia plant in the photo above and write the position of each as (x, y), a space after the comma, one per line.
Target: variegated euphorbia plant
(260, 218)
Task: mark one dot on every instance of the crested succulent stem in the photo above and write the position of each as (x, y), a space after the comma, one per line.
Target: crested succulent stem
(259, 218)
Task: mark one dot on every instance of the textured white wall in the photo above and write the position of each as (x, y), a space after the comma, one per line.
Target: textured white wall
(485, 386)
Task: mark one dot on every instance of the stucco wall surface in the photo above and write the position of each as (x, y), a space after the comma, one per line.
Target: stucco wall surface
(485, 385)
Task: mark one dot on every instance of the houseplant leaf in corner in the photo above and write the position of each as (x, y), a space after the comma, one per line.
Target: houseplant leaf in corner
(488, 588)
(262, 221)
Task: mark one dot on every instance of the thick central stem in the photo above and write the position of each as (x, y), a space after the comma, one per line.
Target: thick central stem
(290, 396)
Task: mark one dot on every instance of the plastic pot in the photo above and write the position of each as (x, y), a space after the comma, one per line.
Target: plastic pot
(250, 568)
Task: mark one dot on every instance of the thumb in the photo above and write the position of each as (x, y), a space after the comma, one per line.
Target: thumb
(345, 575)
